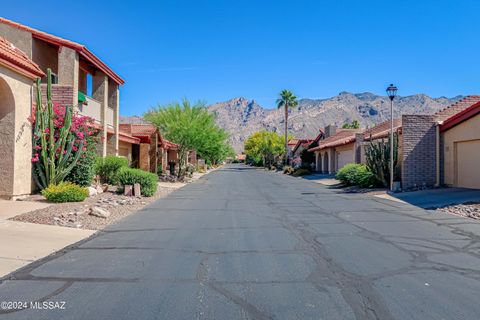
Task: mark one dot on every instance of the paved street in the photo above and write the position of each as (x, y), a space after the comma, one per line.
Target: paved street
(243, 243)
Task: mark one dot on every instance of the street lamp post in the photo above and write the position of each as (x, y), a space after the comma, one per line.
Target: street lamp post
(392, 93)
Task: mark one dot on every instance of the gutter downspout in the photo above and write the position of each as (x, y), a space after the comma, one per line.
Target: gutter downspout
(437, 152)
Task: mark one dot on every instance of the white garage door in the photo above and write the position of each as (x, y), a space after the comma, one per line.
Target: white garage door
(344, 157)
(467, 166)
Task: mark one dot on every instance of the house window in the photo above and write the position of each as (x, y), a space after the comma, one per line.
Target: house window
(54, 78)
(89, 85)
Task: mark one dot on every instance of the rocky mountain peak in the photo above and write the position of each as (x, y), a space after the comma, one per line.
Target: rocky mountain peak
(242, 117)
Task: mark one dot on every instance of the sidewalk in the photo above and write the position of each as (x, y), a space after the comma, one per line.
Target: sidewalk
(22, 243)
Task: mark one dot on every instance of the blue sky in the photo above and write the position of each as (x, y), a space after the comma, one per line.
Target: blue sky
(214, 50)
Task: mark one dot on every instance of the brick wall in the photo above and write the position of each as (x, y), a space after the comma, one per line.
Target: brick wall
(418, 165)
(61, 94)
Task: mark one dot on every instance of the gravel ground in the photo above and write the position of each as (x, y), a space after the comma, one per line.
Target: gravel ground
(470, 210)
(77, 214)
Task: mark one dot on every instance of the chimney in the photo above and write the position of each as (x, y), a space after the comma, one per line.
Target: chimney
(330, 130)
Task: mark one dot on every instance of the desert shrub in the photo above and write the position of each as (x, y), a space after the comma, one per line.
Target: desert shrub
(354, 174)
(109, 167)
(288, 170)
(82, 173)
(147, 180)
(377, 154)
(301, 172)
(65, 192)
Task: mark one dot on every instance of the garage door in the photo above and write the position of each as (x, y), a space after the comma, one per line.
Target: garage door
(344, 157)
(467, 164)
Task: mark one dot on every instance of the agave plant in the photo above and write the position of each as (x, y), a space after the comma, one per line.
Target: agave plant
(54, 139)
(377, 155)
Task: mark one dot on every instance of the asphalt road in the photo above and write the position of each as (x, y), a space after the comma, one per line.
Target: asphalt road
(243, 243)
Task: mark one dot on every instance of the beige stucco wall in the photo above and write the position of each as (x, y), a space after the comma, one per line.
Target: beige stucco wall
(20, 38)
(125, 150)
(17, 148)
(46, 56)
(466, 131)
(344, 154)
(144, 161)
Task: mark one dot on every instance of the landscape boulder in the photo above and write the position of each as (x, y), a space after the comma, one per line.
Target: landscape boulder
(99, 212)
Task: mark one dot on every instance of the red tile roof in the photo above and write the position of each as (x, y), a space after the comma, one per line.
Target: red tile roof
(342, 137)
(122, 136)
(457, 107)
(139, 129)
(241, 157)
(169, 145)
(80, 48)
(302, 142)
(142, 131)
(382, 130)
(292, 142)
(458, 118)
(15, 59)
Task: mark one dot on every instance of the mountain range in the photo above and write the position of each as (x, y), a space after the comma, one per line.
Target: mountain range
(242, 117)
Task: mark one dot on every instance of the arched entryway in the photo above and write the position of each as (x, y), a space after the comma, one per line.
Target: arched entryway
(325, 162)
(7, 138)
(318, 162)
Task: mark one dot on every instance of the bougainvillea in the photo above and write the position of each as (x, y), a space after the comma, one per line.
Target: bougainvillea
(59, 138)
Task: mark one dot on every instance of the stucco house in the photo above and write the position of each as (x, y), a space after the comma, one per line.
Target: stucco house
(17, 74)
(80, 79)
(336, 150)
(305, 144)
(152, 152)
(290, 145)
(441, 149)
(460, 143)
(378, 132)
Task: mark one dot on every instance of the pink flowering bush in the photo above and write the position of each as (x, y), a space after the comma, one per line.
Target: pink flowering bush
(59, 139)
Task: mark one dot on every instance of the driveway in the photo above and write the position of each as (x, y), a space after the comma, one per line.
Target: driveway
(243, 243)
(438, 198)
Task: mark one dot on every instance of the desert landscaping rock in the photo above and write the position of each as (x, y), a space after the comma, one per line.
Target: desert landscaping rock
(76, 214)
(98, 212)
(92, 191)
(471, 210)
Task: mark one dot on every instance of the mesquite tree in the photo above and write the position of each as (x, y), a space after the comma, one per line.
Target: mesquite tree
(58, 138)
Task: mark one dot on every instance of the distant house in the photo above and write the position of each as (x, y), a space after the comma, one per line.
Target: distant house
(152, 152)
(241, 157)
(305, 144)
(336, 150)
(442, 149)
(290, 145)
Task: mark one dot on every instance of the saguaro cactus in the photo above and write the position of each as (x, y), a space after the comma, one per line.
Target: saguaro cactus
(53, 140)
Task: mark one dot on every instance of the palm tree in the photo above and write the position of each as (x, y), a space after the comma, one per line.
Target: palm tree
(286, 100)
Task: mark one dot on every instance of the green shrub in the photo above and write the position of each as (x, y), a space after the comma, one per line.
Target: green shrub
(300, 172)
(65, 192)
(109, 167)
(83, 172)
(354, 174)
(147, 180)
